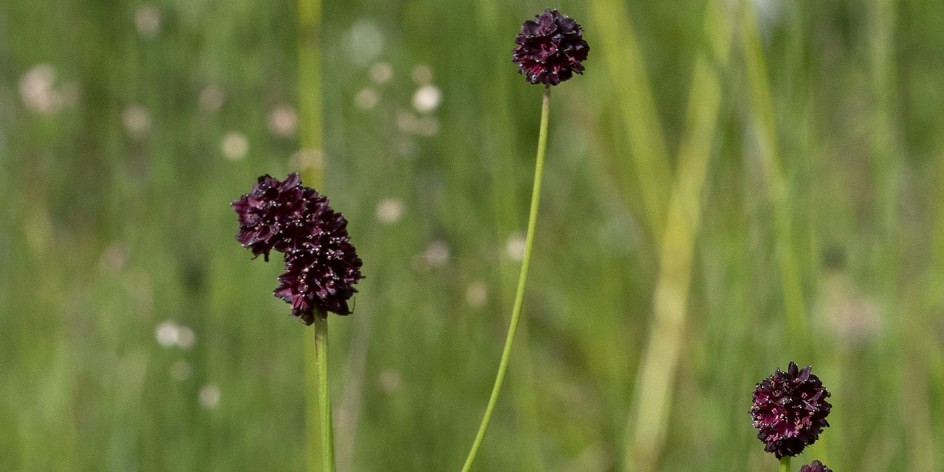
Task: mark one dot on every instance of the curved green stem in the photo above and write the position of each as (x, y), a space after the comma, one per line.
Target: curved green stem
(785, 464)
(522, 280)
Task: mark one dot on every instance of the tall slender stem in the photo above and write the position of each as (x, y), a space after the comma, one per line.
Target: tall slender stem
(522, 280)
(324, 395)
(311, 168)
(784, 464)
(310, 102)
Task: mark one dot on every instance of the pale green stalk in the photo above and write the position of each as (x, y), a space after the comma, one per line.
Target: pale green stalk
(784, 464)
(318, 429)
(310, 114)
(648, 421)
(626, 65)
(522, 280)
(324, 395)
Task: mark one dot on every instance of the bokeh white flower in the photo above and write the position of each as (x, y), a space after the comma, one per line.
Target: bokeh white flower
(427, 98)
(389, 210)
(147, 20)
(234, 146)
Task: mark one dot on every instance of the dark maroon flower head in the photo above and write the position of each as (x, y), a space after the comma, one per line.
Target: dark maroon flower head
(550, 48)
(815, 466)
(790, 410)
(321, 264)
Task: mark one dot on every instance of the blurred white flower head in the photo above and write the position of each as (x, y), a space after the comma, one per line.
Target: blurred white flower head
(234, 146)
(166, 334)
(389, 380)
(366, 98)
(137, 121)
(436, 255)
(854, 317)
(389, 210)
(364, 41)
(147, 19)
(39, 92)
(170, 334)
(283, 121)
(212, 98)
(185, 337)
(381, 72)
(209, 396)
(514, 247)
(427, 98)
(476, 294)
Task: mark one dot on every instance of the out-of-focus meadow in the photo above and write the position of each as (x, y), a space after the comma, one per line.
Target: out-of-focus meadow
(729, 187)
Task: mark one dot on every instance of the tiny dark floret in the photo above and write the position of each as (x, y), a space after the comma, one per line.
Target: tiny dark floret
(789, 410)
(321, 264)
(550, 48)
(815, 466)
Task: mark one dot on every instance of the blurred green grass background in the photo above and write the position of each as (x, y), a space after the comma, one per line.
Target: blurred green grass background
(731, 186)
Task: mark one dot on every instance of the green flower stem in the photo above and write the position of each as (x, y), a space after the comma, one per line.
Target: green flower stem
(324, 395)
(785, 464)
(310, 113)
(317, 430)
(522, 280)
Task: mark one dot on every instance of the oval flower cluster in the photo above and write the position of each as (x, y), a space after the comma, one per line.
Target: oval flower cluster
(550, 48)
(321, 264)
(789, 410)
